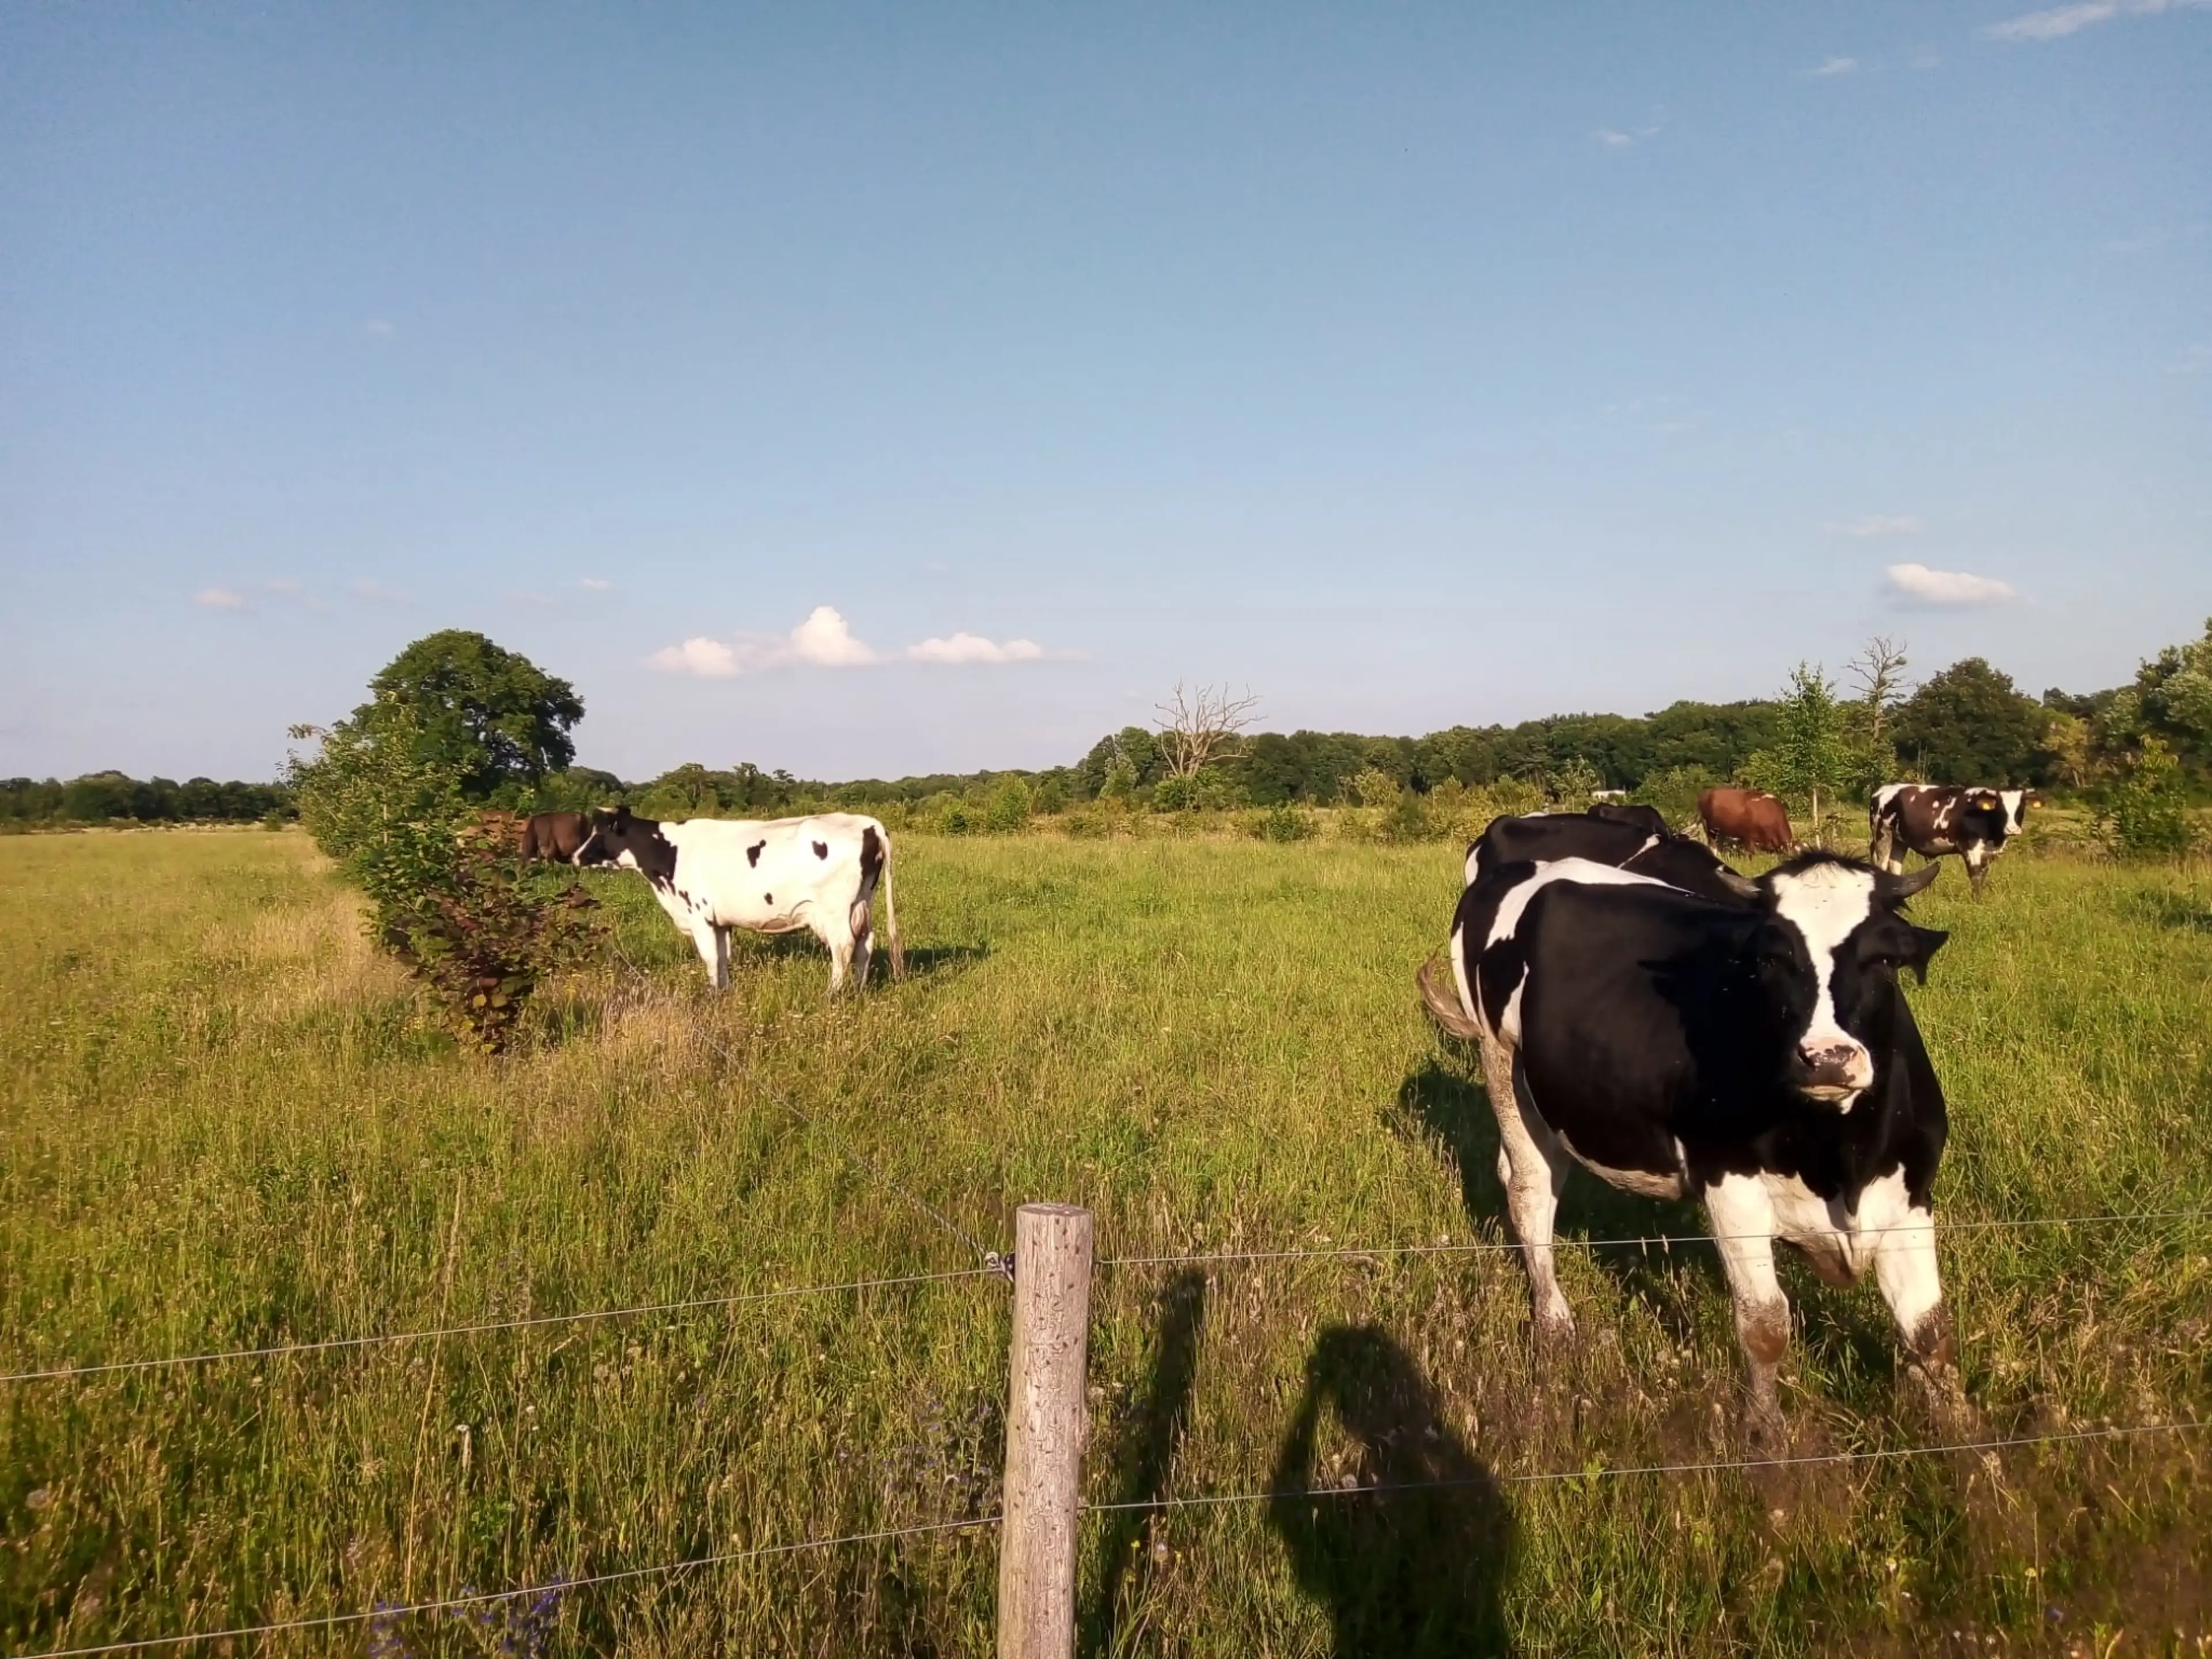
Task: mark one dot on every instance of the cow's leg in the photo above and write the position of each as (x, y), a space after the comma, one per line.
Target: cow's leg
(1533, 1165)
(864, 949)
(1905, 1267)
(713, 944)
(861, 915)
(1978, 866)
(1743, 1216)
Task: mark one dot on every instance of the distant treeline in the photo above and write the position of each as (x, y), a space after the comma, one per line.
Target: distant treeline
(1969, 723)
(1966, 724)
(109, 797)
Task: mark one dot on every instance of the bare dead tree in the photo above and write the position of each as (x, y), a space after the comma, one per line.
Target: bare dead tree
(1878, 673)
(1200, 724)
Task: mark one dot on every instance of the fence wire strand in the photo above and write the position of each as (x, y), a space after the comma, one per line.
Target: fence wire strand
(332, 1620)
(996, 1266)
(1554, 1477)
(282, 1350)
(1476, 1246)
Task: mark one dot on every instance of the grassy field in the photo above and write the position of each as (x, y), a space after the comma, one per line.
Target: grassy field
(224, 1125)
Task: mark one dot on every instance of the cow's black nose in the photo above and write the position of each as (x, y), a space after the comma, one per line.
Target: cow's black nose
(1840, 1066)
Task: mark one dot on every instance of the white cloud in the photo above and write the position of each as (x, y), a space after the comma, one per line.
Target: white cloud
(1614, 138)
(1948, 586)
(594, 584)
(709, 659)
(826, 640)
(973, 647)
(285, 586)
(381, 328)
(1877, 524)
(1835, 66)
(220, 598)
(2198, 360)
(1924, 60)
(2059, 22)
(378, 591)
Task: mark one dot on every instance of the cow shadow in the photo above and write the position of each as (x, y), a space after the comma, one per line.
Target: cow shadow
(1418, 1571)
(1145, 1456)
(1456, 1111)
(925, 960)
(2166, 909)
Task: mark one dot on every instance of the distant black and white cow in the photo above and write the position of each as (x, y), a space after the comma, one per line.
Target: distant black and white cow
(1602, 837)
(1932, 819)
(714, 874)
(1758, 1055)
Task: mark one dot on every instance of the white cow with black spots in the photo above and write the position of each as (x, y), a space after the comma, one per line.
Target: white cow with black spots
(775, 877)
(1755, 1055)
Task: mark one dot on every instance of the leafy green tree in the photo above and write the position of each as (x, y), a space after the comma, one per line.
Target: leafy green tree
(2172, 700)
(1811, 756)
(2147, 815)
(1969, 725)
(490, 715)
(1006, 810)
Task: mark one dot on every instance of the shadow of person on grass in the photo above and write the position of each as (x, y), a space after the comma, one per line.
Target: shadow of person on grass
(1146, 1453)
(1408, 1573)
(1457, 1112)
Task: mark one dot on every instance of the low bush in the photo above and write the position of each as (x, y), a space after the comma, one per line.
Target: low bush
(2147, 813)
(448, 890)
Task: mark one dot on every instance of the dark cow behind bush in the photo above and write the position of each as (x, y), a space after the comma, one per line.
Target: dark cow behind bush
(1750, 818)
(1932, 819)
(555, 837)
(1757, 1056)
(714, 874)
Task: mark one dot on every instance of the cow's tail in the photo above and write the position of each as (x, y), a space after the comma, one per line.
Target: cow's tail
(890, 916)
(1441, 997)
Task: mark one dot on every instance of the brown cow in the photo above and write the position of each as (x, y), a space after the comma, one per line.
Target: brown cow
(1752, 816)
(555, 837)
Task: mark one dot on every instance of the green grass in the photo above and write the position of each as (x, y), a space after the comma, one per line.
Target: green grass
(224, 1125)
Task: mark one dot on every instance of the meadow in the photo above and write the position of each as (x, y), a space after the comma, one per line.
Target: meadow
(224, 1125)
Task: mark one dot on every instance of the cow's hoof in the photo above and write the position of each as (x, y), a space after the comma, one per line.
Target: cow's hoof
(1553, 1333)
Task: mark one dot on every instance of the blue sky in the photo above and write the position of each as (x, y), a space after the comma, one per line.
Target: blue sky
(1410, 365)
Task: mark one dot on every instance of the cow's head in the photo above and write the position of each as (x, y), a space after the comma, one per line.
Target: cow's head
(2015, 803)
(1827, 963)
(619, 840)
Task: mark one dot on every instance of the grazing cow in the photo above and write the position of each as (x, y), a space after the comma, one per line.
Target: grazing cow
(1760, 1056)
(553, 837)
(1603, 839)
(1750, 818)
(1935, 818)
(714, 874)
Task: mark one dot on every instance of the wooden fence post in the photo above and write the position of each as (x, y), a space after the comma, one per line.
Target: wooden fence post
(1047, 1420)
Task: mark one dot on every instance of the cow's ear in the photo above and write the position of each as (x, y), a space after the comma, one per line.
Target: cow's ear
(1926, 942)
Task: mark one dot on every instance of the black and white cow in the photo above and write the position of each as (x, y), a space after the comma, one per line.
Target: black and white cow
(1758, 1055)
(1629, 844)
(714, 874)
(1932, 819)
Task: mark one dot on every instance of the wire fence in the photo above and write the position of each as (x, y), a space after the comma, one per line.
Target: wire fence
(1211, 1500)
(1001, 1267)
